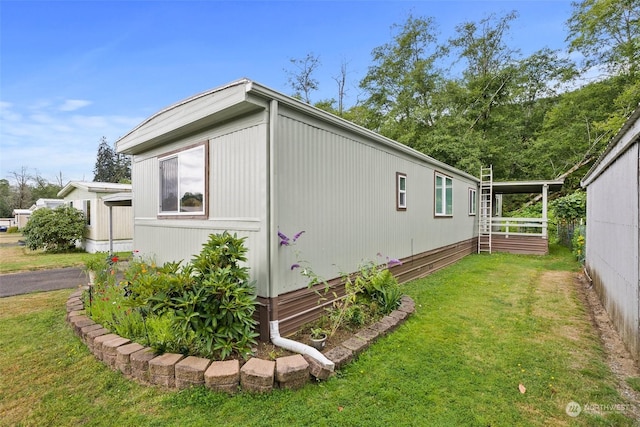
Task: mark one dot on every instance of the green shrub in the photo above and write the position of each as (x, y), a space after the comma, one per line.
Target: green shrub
(54, 230)
(578, 243)
(203, 308)
(13, 229)
(381, 287)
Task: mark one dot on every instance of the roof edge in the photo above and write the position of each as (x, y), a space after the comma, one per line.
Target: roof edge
(602, 162)
(264, 91)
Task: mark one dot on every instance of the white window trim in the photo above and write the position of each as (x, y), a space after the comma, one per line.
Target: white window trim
(399, 204)
(176, 154)
(473, 201)
(445, 178)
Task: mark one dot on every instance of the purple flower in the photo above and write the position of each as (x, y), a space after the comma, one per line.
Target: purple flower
(284, 240)
(297, 236)
(393, 262)
(294, 266)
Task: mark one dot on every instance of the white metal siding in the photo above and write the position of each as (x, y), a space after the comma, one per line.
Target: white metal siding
(341, 189)
(612, 242)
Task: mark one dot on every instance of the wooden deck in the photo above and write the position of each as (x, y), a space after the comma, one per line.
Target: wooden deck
(519, 244)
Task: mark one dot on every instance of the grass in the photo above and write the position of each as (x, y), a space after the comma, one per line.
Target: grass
(17, 258)
(482, 327)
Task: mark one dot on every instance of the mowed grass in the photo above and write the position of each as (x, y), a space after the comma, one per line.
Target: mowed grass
(15, 258)
(482, 327)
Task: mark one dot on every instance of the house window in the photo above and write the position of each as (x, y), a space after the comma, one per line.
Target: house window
(183, 182)
(472, 201)
(401, 187)
(87, 211)
(444, 195)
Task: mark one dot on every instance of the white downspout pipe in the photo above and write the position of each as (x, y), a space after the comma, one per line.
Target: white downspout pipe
(298, 347)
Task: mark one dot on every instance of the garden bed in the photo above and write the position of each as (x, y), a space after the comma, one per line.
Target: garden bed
(260, 373)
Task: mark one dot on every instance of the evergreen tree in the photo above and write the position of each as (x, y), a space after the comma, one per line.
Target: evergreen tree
(110, 165)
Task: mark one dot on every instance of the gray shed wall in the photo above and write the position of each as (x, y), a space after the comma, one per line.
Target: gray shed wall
(612, 243)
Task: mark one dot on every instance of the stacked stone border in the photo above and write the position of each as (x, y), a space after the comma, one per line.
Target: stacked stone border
(256, 375)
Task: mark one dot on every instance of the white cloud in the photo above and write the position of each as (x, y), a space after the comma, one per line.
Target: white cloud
(49, 140)
(73, 104)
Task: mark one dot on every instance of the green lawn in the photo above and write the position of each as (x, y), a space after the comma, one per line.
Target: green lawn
(481, 328)
(17, 258)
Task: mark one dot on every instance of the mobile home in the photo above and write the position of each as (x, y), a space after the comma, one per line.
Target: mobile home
(107, 229)
(246, 159)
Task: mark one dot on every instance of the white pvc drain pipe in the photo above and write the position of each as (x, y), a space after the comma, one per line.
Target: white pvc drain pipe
(298, 347)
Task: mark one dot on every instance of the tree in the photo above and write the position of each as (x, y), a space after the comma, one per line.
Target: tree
(301, 78)
(570, 138)
(54, 230)
(402, 81)
(5, 199)
(111, 166)
(490, 64)
(22, 195)
(607, 33)
(43, 189)
(341, 81)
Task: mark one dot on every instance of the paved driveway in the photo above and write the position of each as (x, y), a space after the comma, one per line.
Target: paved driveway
(41, 280)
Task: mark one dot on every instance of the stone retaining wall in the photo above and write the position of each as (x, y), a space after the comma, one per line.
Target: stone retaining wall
(256, 375)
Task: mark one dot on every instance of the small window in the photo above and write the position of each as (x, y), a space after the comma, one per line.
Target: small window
(472, 201)
(443, 195)
(183, 182)
(87, 211)
(401, 187)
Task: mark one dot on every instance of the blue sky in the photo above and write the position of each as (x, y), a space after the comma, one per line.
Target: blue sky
(73, 72)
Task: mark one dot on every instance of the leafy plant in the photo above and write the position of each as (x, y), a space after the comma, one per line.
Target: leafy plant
(54, 230)
(578, 243)
(99, 261)
(209, 303)
(571, 207)
(318, 333)
(380, 286)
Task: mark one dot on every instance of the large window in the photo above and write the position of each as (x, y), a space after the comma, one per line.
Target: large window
(401, 190)
(472, 201)
(183, 182)
(443, 195)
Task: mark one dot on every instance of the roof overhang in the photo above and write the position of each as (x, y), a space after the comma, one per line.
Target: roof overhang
(526, 187)
(232, 100)
(119, 199)
(94, 187)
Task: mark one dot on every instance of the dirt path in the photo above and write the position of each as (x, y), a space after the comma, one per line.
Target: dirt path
(618, 357)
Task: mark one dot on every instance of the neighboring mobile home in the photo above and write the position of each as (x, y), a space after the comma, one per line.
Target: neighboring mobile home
(613, 236)
(88, 197)
(47, 203)
(21, 217)
(245, 159)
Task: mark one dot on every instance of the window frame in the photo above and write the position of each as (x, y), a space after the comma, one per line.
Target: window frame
(445, 178)
(204, 213)
(473, 201)
(400, 206)
(86, 209)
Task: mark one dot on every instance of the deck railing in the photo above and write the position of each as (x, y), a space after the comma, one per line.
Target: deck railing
(519, 226)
